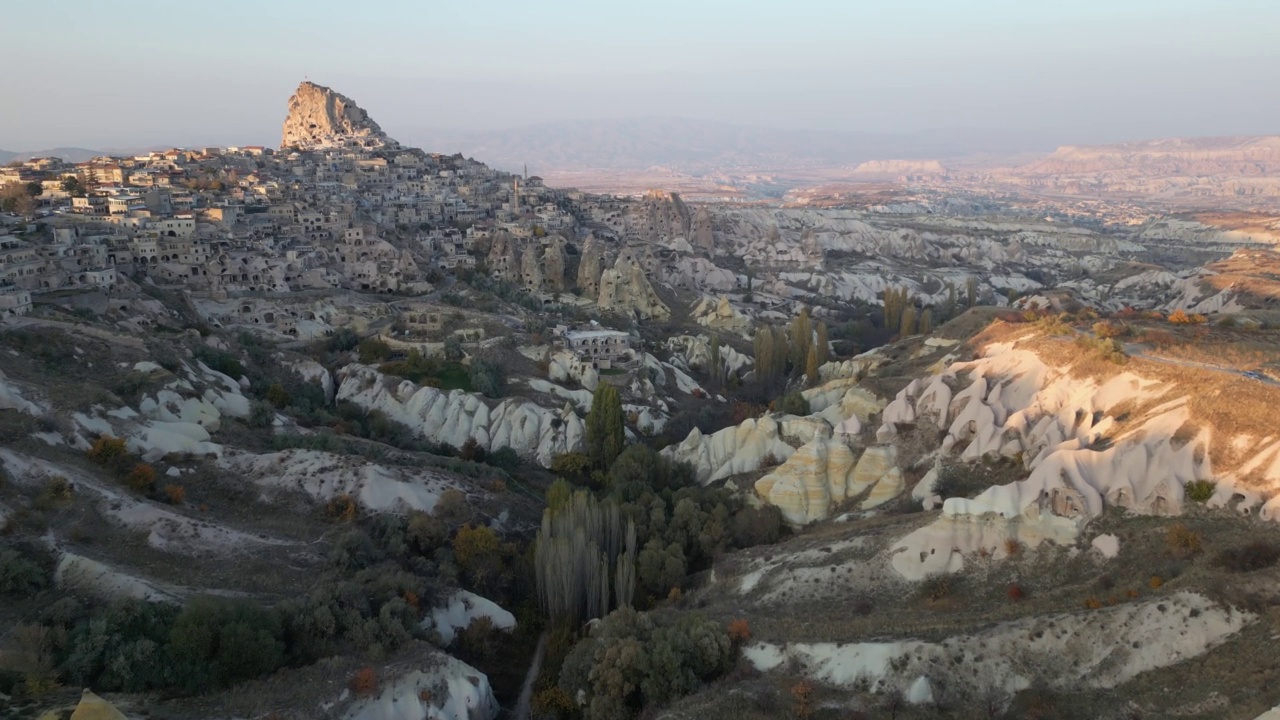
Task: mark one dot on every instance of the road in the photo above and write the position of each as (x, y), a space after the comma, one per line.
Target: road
(1137, 350)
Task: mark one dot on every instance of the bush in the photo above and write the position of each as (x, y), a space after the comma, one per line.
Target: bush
(757, 526)
(802, 700)
(488, 378)
(956, 480)
(342, 508)
(1183, 542)
(342, 340)
(175, 494)
(791, 404)
(1200, 490)
(1107, 329)
(142, 478)
(364, 683)
(740, 630)
(936, 587)
(1015, 592)
(1256, 555)
(278, 396)
(374, 351)
(19, 574)
(107, 450)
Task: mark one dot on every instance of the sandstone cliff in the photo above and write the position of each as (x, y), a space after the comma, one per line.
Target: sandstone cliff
(320, 117)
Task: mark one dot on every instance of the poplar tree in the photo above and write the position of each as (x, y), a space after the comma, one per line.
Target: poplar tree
(605, 433)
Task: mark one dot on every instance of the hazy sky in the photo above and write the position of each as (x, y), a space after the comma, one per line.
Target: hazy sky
(131, 73)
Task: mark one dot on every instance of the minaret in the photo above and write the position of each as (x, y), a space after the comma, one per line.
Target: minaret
(526, 171)
(515, 189)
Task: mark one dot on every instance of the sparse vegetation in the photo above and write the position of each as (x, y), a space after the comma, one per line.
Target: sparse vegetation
(1250, 557)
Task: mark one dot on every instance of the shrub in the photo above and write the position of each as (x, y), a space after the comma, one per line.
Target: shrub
(373, 351)
(802, 700)
(19, 574)
(740, 630)
(142, 478)
(175, 494)
(1012, 547)
(1015, 592)
(1093, 603)
(1156, 582)
(1255, 555)
(364, 683)
(105, 450)
(757, 526)
(342, 508)
(1200, 490)
(791, 404)
(488, 378)
(278, 396)
(956, 480)
(769, 460)
(342, 340)
(476, 639)
(56, 491)
(1107, 330)
(1180, 317)
(935, 587)
(1183, 542)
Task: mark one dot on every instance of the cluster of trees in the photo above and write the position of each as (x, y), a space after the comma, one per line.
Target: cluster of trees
(633, 661)
(580, 553)
(902, 314)
(799, 349)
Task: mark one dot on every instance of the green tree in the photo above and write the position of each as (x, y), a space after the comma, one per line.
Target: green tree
(908, 324)
(661, 567)
(605, 432)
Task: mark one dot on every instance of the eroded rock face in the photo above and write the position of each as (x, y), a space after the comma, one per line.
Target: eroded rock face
(455, 417)
(590, 266)
(662, 216)
(814, 479)
(702, 239)
(320, 117)
(624, 287)
(92, 707)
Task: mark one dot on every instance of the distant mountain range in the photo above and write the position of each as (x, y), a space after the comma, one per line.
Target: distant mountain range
(70, 154)
(694, 146)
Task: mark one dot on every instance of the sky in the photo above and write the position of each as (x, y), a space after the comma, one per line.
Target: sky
(140, 73)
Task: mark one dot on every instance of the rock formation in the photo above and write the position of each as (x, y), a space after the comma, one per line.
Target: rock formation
(92, 707)
(504, 261)
(721, 315)
(702, 238)
(456, 416)
(661, 216)
(590, 266)
(814, 479)
(319, 117)
(625, 288)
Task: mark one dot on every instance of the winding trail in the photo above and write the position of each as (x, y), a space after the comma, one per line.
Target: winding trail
(526, 692)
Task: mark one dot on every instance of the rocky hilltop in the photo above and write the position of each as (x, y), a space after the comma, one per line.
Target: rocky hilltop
(319, 117)
(1246, 156)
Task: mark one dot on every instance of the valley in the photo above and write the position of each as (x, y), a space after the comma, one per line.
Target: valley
(351, 429)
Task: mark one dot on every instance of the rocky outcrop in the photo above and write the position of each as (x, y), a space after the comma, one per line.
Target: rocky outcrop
(92, 707)
(661, 216)
(816, 478)
(823, 473)
(590, 266)
(454, 417)
(702, 237)
(504, 260)
(745, 447)
(319, 117)
(440, 686)
(720, 315)
(553, 265)
(624, 288)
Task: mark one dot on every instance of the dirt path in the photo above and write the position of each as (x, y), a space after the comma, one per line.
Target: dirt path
(526, 692)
